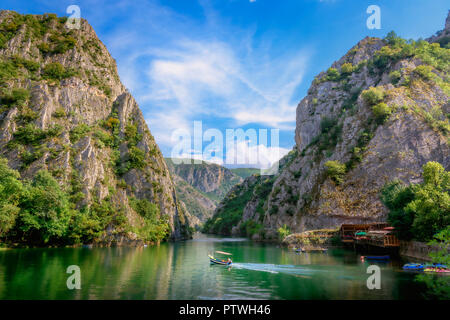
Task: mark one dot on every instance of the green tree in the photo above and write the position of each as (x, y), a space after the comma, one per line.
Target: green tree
(45, 211)
(332, 74)
(438, 287)
(425, 72)
(442, 241)
(347, 68)
(373, 95)
(85, 227)
(136, 158)
(435, 175)
(381, 111)
(336, 171)
(431, 210)
(56, 71)
(394, 40)
(15, 96)
(11, 189)
(395, 76)
(145, 208)
(420, 210)
(283, 232)
(396, 195)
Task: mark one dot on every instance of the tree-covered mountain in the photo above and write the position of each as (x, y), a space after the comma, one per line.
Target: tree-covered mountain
(377, 115)
(76, 146)
(245, 172)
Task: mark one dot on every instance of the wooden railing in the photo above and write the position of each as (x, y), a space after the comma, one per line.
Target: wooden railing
(391, 241)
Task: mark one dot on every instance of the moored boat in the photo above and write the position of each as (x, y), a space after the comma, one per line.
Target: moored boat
(436, 265)
(380, 258)
(413, 266)
(436, 269)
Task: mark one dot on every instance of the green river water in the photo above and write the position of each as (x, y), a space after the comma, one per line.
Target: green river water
(182, 271)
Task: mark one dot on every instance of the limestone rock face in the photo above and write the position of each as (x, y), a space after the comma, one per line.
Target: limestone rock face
(206, 177)
(442, 37)
(91, 129)
(335, 122)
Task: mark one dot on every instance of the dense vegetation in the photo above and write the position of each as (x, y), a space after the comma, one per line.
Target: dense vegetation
(232, 207)
(430, 73)
(438, 287)
(231, 213)
(48, 34)
(41, 212)
(197, 174)
(335, 170)
(433, 71)
(245, 172)
(420, 211)
(283, 232)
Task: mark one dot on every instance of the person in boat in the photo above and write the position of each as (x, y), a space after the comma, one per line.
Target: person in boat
(229, 261)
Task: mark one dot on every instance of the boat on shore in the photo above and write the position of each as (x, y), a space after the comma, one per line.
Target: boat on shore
(436, 270)
(377, 258)
(424, 267)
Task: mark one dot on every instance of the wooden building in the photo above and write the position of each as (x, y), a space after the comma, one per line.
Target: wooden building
(377, 234)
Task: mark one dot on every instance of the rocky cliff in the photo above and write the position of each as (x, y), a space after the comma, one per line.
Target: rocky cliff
(377, 114)
(64, 109)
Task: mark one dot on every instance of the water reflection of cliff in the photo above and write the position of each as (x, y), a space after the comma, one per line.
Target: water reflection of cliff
(106, 273)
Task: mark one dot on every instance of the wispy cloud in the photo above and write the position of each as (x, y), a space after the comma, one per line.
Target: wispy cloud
(244, 154)
(181, 70)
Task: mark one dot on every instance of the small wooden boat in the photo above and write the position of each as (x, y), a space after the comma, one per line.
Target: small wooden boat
(299, 250)
(422, 267)
(225, 262)
(437, 270)
(315, 250)
(219, 261)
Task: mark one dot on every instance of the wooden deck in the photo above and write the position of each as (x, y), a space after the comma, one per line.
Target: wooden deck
(375, 235)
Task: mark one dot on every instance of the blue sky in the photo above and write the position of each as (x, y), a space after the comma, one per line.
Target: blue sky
(233, 63)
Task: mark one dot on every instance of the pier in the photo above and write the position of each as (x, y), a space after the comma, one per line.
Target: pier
(378, 234)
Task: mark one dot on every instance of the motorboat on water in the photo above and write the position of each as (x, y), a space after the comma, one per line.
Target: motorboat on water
(221, 260)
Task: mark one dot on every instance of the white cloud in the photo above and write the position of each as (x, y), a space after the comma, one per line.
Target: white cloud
(189, 72)
(257, 156)
(195, 79)
(243, 155)
(180, 71)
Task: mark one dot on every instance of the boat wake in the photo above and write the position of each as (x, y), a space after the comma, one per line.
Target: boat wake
(276, 268)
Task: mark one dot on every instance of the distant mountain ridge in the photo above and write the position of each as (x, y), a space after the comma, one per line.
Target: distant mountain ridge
(201, 186)
(245, 172)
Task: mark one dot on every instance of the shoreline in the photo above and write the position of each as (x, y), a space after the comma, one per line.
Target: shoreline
(408, 249)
